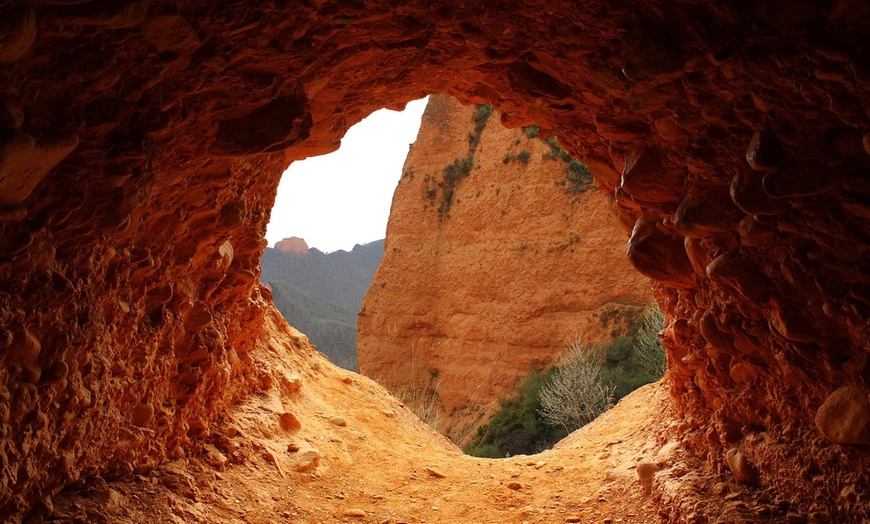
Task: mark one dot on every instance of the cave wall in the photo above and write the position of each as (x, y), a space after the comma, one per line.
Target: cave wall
(141, 144)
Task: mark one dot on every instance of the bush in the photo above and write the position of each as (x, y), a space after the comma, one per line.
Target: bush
(531, 131)
(644, 363)
(579, 177)
(524, 156)
(576, 394)
(518, 429)
(459, 169)
(649, 350)
(423, 402)
(607, 373)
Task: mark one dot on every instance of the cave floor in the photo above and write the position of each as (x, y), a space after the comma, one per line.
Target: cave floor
(385, 466)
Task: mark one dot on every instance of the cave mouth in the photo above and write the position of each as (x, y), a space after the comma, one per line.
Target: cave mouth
(320, 293)
(327, 229)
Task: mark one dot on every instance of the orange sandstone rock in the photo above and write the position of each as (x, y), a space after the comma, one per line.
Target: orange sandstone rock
(468, 301)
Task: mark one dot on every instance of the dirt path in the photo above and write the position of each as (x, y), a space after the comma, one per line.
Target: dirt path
(360, 456)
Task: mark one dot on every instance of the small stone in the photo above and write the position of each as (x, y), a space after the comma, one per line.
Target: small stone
(56, 372)
(573, 519)
(293, 446)
(607, 520)
(645, 472)
(389, 413)
(540, 464)
(289, 422)
(338, 421)
(347, 380)
(645, 178)
(30, 373)
(764, 152)
(435, 473)
(142, 414)
(844, 417)
(355, 512)
(514, 485)
(740, 466)
(25, 347)
(307, 460)
(658, 256)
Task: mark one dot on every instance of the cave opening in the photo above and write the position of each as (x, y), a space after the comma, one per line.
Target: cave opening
(439, 223)
(327, 229)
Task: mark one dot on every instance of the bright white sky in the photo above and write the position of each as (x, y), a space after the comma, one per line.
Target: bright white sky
(338, 200)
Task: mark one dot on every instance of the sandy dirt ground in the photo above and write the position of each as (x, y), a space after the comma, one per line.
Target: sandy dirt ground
(322, 444)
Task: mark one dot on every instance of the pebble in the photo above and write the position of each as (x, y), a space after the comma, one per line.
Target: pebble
(514, 485)
(347, 380)
(435, 473)
(289, 422)
(307, 460)
(645, 472)
(795, 518)
(573, 519)
(338, 421)
(355, 512)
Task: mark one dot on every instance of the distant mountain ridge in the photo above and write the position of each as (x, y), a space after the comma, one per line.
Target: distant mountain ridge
(320, 293)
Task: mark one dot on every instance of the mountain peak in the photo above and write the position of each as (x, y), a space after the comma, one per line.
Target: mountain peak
(294, 245)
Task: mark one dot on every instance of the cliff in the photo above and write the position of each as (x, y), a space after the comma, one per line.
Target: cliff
(487, 275)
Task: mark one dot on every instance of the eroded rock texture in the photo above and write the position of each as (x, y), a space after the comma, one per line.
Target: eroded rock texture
(142, 142)
(488, 276)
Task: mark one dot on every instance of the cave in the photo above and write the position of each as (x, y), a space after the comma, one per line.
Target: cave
(142, 143)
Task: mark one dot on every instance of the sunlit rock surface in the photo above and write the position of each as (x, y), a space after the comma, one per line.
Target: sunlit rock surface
(488, 278)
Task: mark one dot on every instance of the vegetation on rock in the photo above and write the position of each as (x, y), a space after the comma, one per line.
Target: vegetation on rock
(461, 167)
(585, 382)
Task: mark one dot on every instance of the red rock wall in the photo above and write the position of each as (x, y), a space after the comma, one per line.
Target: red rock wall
(139, 137)
(466, 302)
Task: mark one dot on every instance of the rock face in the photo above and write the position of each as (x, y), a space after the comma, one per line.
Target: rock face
(142, 143)
(294, 245)
(478, 289)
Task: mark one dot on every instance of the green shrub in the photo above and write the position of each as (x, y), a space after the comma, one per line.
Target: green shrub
(644, 363)
(579, 177)
(611, 371)
(524, 156)
(531, 131)
(518, 428)
(459, 169)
